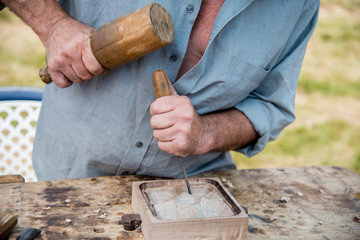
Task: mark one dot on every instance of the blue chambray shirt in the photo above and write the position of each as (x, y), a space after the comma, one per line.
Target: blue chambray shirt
(252, 62)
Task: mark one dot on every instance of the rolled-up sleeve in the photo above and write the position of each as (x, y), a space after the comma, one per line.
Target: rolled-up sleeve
(271, 106)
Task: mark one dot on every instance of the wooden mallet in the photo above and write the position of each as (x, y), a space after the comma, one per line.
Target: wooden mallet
(129, 37)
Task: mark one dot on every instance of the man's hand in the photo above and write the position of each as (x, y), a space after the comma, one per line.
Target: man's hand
(68, 53)
(177, 126)
(182, 132)
(67, 41)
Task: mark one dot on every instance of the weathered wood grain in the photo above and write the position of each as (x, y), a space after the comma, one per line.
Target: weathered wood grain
(323, 204)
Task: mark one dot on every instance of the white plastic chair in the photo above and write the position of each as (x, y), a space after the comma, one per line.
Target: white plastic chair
(19, 111)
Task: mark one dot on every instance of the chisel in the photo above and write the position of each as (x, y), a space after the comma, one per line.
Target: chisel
(162, 89)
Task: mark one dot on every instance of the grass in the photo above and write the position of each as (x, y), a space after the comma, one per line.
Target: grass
(327, 129)
(330, 87)
(21, 53)
(329, 143)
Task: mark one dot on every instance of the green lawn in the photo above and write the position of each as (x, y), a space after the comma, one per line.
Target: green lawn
(21, 53)
(327, 128)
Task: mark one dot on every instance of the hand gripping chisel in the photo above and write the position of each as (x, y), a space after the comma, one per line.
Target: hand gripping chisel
(161, 89)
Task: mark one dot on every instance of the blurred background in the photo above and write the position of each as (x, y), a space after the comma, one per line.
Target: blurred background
(327, 126)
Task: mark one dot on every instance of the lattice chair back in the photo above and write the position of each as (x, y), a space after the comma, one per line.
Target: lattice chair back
(19, 111)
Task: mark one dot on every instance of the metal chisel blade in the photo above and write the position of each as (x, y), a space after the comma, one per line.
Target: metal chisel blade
(185, 176)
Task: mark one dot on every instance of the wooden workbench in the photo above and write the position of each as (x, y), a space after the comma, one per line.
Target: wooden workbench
(324, 204)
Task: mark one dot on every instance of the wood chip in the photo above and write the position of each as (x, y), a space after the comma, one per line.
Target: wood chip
(97, 211)
(46, 208)
(68, 220)
(285, 200)
(67, 201)
(300, 194)
(107, 203)
(103, 215)
(272, 218)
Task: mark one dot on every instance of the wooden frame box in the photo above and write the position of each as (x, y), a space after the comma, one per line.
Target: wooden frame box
(153, 228)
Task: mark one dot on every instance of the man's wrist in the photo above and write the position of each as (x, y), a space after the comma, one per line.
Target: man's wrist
(224, 131)
(207, 139)
(46, 31)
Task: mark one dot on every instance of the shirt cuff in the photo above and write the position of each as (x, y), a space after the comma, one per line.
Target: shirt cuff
(258, 114)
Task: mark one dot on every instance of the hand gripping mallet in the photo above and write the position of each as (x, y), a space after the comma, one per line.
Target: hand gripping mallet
(129, 37)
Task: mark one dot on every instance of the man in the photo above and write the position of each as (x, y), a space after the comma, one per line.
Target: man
(234, 66)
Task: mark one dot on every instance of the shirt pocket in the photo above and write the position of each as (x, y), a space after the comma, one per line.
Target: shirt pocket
(240, 80)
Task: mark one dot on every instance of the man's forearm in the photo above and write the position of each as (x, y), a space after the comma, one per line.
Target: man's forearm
(40, 15)
(227, 130)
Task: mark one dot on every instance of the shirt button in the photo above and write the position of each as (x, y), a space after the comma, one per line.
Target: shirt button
(173, 58)
(139, 144)
(190, 9)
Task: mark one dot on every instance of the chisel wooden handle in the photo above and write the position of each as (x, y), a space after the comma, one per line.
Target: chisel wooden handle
(162, 89)
(161, 84)
(130, 37)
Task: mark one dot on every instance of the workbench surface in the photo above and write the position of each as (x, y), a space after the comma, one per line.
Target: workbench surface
(324, 204)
